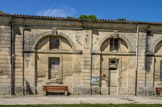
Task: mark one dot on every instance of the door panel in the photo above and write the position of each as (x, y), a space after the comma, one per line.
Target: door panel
(113, 70)
(54, 69)
(113, 81)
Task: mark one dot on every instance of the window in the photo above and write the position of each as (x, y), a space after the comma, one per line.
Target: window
(113, 61)
(161, 70)
(113, 44)
(112, 69)
(113, 64)
(54, 43)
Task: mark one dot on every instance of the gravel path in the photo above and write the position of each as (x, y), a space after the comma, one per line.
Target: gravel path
(23, 100)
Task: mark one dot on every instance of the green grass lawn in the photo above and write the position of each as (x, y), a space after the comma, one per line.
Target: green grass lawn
(88, 105)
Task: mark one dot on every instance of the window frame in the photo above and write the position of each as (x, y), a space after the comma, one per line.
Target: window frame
(50, 59)
(114, 44)
(54, 46)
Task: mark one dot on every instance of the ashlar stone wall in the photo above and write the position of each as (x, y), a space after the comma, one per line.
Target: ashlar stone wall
(84, 56)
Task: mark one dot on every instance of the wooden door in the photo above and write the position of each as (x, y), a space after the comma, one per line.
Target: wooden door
(112, 81)
(112, 76)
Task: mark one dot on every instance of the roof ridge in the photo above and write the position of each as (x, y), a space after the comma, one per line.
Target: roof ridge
(65, 18)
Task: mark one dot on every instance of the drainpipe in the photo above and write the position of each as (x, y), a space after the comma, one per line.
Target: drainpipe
(35, 75)
(136, 60)
(12, 58)
(23, 61)
(91, 60)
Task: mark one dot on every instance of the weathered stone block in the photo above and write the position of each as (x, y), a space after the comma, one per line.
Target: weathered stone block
(86, 91)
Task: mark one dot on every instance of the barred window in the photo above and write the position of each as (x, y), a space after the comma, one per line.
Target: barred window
(113, 44)
(54, 43)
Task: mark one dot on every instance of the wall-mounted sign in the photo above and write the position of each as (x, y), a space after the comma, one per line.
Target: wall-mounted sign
(96, 80)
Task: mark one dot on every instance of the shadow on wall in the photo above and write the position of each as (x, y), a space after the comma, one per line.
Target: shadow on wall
(149, 60)
(42, 43)
(28, 88)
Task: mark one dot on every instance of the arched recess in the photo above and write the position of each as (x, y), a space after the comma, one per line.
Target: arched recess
(121, 37)
(47, 34)
(156, 46)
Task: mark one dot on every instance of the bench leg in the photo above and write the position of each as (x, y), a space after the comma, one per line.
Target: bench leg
(66, 92)
(154, 92)
(45, 93)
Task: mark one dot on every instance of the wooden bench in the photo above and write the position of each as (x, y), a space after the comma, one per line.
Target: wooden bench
(58, 89)
(157, 90)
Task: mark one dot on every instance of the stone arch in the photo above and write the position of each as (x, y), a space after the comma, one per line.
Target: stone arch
(46, 34)
(155, 44)
(120, 37)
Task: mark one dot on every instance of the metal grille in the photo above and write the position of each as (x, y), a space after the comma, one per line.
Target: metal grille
(54, 43)
(113, 44)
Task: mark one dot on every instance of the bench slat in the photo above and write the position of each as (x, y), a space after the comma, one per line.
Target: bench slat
(56, 89)
(55, 86)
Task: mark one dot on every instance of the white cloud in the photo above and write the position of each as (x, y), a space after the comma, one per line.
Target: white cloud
(57, 12)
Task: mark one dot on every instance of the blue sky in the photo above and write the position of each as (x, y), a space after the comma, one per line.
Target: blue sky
(137, 10)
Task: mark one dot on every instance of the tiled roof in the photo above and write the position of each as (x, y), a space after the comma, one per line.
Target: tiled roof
(76, 19)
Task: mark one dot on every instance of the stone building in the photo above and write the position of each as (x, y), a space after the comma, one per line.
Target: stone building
(107, 57)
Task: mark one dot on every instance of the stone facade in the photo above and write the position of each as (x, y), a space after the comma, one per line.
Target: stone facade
(89, 56)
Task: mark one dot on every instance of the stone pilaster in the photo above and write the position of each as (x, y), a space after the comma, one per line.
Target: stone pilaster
(19, 64)
(5, 60)
(86, 63)
(141, 77)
